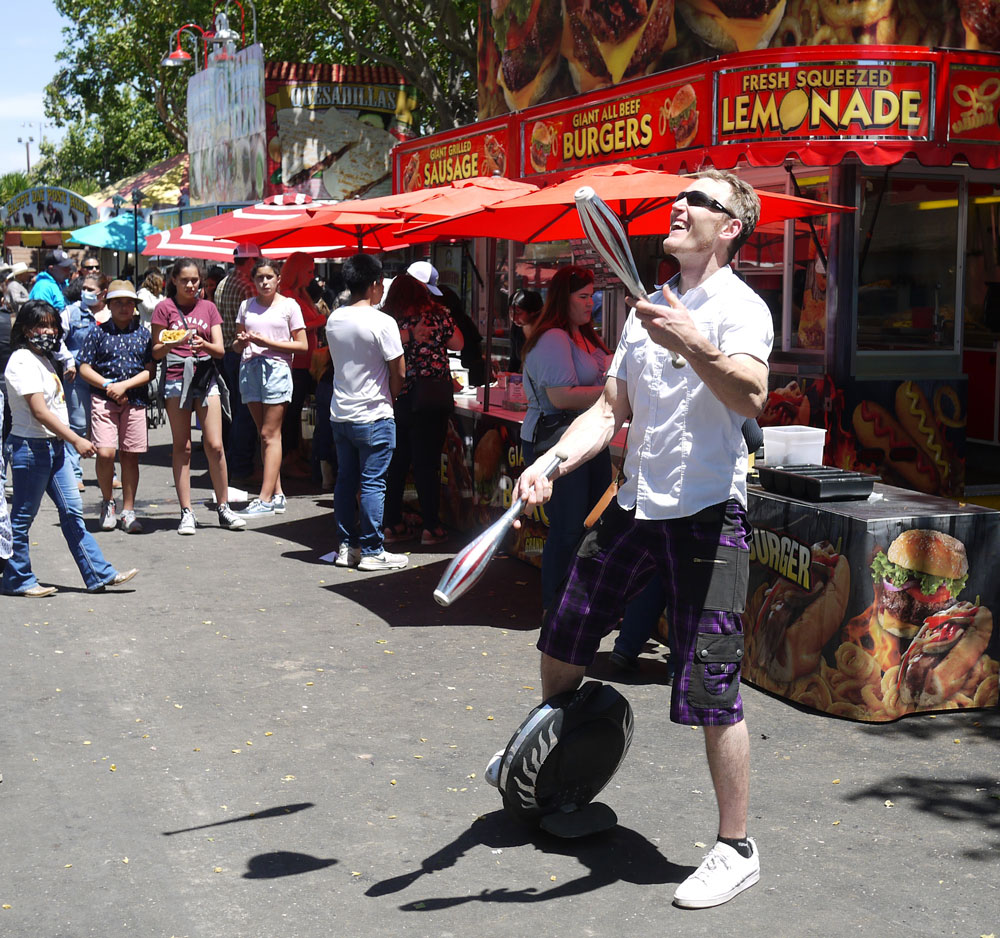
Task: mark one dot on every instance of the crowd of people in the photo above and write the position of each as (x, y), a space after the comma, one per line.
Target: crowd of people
(243, 364)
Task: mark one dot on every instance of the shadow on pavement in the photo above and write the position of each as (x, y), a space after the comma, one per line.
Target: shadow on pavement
(621, 855)
(506, 597)
(279, 811)
(283, 863)
(959, 800)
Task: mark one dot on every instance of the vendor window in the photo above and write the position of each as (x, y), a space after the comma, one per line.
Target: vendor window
(907, 262)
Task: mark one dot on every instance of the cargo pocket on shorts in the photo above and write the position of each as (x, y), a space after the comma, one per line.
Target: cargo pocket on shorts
(715, 672)
(725, 577)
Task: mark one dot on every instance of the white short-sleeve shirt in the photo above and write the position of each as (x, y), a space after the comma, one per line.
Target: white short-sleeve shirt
(685, 447)
(362, 341)
(27, 373)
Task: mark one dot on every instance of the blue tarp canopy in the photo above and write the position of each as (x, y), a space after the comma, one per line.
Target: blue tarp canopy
(116, 233)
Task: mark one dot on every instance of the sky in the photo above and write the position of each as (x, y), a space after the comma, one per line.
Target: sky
(27, 65)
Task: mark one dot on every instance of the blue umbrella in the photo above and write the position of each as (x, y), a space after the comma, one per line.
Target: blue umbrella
(118, 233)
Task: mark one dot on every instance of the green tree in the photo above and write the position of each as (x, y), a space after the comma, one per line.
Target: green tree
(110, 89)
(11, 184)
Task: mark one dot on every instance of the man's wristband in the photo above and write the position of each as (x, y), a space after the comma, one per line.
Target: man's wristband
(108, 383)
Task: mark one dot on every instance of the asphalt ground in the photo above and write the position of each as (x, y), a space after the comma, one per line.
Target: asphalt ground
(247, 741)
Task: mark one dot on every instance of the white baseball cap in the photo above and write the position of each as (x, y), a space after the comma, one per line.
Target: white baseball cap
(425, 272)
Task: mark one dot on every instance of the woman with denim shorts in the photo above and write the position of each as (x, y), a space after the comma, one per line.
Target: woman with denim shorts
(190, 381)
(37, 443)
(269, 330)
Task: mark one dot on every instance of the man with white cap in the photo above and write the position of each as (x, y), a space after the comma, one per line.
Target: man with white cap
(16, 288)
(116, 360)
(426, 273)
(241, 438)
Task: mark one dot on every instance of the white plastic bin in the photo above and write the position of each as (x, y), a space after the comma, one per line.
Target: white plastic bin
(793, 446)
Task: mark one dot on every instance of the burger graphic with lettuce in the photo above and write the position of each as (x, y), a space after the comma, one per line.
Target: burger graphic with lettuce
(920, 576)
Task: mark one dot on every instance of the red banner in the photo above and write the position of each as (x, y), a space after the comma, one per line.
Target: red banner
(675, 116)
(834, 99)
(484, 153)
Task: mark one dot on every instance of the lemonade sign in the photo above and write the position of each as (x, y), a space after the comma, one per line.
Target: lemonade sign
(824, 100)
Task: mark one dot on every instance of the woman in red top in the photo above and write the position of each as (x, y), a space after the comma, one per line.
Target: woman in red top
(296, 275)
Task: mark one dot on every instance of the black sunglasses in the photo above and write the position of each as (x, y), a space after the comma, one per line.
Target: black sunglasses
(702, 200)
(91, 267)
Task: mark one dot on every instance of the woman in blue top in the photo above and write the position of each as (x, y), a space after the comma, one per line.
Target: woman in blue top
(565, 362)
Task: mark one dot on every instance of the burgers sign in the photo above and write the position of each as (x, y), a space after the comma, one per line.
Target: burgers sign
(621, 129)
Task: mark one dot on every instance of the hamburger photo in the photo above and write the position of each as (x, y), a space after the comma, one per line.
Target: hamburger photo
(944, 654)
(733, 25)
(527, 33)
(605, 42)
(921, 575)
(682, 116)
(794, 622)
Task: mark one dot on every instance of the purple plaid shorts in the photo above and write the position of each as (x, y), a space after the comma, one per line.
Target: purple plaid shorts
(704, 561)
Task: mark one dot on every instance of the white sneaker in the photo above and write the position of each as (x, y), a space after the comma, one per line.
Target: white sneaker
(279, 504)
(722, 874)
(492, 774)
(347, 556)
(187, 525)
(383, 561)
(256, 508)
(108, 519)
(130, 524)
(229, 520)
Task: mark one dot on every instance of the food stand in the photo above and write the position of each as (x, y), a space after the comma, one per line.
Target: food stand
(886, 321)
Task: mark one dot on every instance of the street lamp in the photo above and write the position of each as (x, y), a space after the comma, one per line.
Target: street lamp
(136, 202)
(117, 201)
(179, 56)
(27, 141)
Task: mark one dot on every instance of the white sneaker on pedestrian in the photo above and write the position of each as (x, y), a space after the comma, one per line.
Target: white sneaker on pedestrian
(187, 525)
(130, 524)
(723, 874)
(492, 774)
(257, 508)
(279, 504)
(383, 561)
(347, 556)
(108, 519)
(228, 518)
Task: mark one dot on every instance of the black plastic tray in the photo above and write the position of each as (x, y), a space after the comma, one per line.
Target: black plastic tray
(816, 483)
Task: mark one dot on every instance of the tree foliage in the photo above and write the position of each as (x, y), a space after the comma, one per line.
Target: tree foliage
(124, 111)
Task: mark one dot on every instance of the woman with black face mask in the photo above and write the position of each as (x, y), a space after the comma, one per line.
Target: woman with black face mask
(39, 434)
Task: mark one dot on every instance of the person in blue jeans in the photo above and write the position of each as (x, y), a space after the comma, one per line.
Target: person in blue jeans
(368, 372)
(37, 444)
(84, 298)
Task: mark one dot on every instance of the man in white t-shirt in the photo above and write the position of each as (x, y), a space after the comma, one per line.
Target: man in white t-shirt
(368, 372)
(681, 512)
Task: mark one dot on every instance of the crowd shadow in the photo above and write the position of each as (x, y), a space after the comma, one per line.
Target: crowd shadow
(971, 800)
(619, 855)
(508, 596)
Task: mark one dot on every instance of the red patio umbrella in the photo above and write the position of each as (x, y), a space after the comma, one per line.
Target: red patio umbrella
(641, 198)
(199, 238)
(378, 223)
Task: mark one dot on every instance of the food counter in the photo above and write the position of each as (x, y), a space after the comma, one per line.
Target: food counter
(844, 617)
